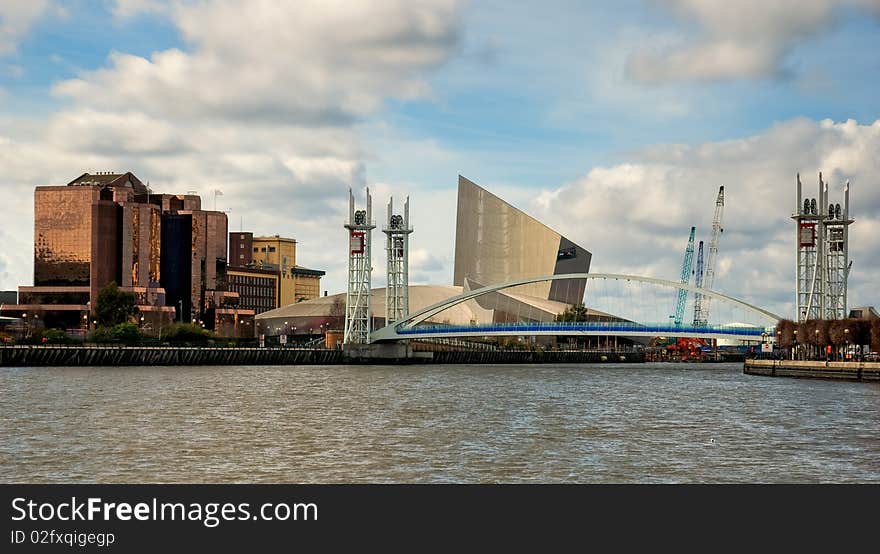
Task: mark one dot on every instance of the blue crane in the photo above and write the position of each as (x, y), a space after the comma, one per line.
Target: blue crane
(685, 278)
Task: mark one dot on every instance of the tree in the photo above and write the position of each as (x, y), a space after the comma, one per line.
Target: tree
(114, 306)
(126, 333)
(188, 333)
(786, 328)
(837, 332)
(575, 312)
(55, 336)
(336, 320)
(860, 332)
(875, 335)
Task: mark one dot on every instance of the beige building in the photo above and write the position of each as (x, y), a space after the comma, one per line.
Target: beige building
(257, 288)
(278, 253)
(306, 283)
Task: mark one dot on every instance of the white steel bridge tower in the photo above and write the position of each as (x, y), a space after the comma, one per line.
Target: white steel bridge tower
(357, 301)
(397, 231)
(822, 254)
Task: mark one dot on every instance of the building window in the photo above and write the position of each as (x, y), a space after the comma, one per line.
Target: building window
(240, 245)
(241, 256)
(271, 249)
(263, 249)
(256, 249)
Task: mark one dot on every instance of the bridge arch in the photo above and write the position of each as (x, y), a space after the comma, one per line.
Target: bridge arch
(392, 331)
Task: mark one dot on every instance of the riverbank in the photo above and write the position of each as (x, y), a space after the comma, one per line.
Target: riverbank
(42, 356)
(849, 371)
(61, 356)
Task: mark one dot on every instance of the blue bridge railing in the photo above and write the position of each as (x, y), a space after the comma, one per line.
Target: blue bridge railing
(524, 328)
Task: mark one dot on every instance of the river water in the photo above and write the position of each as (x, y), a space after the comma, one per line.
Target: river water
(634, 423)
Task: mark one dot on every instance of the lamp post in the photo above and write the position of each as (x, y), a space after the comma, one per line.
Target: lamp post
(817, 344)
(795, 344)
(846, 342)
(26, 327)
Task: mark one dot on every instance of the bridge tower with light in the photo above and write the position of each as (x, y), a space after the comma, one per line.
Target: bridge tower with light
(837, 262)
(822, 254)
(397, 231)
(358, 316)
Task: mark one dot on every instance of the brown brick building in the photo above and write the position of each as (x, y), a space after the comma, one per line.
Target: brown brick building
(110, 227)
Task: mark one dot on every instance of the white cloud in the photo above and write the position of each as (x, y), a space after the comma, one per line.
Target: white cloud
(748, 38)
(635, 217)
(260, 104)
(123, 9)
(312, 62)
(16, 19)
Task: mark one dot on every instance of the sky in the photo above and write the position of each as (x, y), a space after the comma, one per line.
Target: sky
(612, 122)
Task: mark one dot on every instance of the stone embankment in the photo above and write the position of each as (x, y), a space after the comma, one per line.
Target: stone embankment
(37, 356)
(850, 371)
(34, 356)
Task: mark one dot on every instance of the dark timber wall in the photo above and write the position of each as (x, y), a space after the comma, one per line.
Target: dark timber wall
(122, 356)
(34, 356)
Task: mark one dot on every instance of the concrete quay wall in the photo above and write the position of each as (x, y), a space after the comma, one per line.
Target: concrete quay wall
(36, 356)
(850, 371)
(41, 356)
(536, 357)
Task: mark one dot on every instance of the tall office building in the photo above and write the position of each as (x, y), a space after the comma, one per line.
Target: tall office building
(497, 243)
(107, 227)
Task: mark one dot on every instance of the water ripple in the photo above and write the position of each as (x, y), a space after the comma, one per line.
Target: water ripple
(434, 424)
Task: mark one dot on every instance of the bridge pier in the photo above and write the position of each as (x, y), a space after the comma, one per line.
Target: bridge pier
(384, 353)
